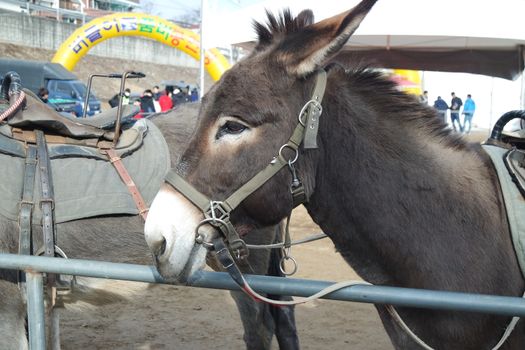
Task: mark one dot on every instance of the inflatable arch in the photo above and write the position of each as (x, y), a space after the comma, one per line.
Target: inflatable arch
(137, 24)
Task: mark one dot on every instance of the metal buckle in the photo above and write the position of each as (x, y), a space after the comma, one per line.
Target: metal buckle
(318, 109)
(49, 201)
(239, 248)
(217, 207)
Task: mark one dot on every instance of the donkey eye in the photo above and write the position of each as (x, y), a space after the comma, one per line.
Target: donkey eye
(231, 128)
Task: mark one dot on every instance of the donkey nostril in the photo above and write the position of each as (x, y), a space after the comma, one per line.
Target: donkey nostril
(159, 248)
(162, 248)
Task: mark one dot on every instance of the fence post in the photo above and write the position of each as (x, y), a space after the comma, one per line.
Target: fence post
(35, 311)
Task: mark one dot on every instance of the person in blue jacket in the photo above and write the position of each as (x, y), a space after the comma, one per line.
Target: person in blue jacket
(468, 112)
(441, 107)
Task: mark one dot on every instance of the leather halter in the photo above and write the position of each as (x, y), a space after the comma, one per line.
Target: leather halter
(217, 213)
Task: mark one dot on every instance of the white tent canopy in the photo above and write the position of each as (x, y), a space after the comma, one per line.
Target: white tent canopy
(485, 37)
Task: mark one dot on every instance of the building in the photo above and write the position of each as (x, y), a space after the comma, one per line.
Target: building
(74, 11)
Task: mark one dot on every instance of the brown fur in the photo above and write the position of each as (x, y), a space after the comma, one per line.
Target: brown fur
(406, 202)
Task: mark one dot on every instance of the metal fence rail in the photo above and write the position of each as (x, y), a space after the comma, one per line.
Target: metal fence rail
(501, 305)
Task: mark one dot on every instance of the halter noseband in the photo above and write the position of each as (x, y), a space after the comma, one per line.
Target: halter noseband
(217, 213)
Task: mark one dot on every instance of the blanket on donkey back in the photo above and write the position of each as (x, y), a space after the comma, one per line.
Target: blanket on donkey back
(86, 185)
(510, 166)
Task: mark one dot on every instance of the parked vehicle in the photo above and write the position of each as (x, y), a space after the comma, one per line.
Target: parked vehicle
(66, 92)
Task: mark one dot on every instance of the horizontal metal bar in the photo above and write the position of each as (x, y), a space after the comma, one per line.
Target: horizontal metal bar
(511, 306)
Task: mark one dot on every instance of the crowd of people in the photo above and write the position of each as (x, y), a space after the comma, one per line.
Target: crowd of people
(153, 100)
(456, 104)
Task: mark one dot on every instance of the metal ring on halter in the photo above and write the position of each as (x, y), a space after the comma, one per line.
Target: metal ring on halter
(290, 162)
(316, 105)
(281, 265)
(199, 238)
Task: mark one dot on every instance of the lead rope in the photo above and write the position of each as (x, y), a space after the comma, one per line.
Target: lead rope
(403, 325)
(224, 257)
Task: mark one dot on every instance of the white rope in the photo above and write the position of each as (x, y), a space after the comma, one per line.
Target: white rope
(330, 289)
(308, 239)
(404, 327)
(397, 318)
(421, 343)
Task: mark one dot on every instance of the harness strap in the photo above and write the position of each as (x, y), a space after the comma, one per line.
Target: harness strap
(47, 205)
(255, 182)
(47, 200)
(26, 205)
(176, 181)
(26, 208)
(128, 181)
(314, 112)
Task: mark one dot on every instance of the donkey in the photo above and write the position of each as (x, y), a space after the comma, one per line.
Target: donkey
(405, 200)
(120, 239)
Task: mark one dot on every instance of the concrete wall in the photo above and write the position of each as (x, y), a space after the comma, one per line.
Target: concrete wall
(49, 34)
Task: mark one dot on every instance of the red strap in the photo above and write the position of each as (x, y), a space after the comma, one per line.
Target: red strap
(126, 178)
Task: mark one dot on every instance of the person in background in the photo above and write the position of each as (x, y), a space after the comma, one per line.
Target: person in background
(146, 102)
(126, 97)
(441, 106)
(424, 97)
(468, 112)
(43, 94)
(194, 95)
(156, 93)
(113, 102)
(178, 97)
(455, 105)
(165, 100)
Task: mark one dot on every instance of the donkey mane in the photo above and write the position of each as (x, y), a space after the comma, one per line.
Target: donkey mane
(280, 25)
(363, 79)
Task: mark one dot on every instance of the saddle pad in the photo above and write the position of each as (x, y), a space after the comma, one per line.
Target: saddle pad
(130, 140)
(514, 202)
(88, 187)
(515, 162)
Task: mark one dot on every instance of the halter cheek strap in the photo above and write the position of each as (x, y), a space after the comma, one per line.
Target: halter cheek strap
(217, 213)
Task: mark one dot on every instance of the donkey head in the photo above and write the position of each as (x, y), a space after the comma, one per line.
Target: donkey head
(245, 119)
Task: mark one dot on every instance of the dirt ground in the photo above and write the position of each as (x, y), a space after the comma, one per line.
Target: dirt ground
(172, 317)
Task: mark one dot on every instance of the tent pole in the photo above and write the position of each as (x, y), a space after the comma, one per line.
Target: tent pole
(522, 95)
(491, 104)
(202, 54)
(521, 64)
(522, 98)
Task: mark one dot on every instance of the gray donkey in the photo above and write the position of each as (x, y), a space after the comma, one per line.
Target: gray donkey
(120, 239)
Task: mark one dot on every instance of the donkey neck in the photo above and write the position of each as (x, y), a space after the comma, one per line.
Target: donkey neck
(395, 198)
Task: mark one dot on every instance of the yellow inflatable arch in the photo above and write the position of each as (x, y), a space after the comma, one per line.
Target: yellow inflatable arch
(137, 24)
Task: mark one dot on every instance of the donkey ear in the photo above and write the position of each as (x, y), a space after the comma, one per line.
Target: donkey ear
(302, 52)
